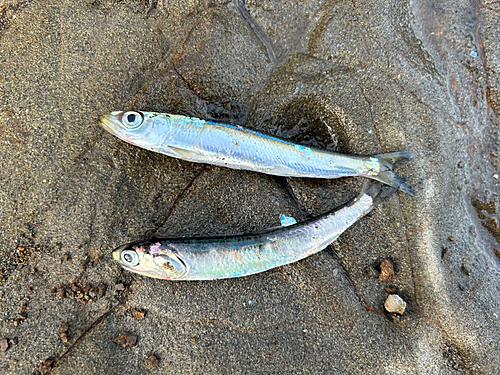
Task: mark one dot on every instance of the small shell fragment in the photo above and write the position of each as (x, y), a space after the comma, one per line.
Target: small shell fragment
(395, 304)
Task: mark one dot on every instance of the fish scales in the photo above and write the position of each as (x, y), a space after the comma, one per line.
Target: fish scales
(236, 256)
(235, 147)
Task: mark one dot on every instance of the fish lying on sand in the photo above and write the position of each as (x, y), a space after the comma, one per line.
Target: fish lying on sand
(235, 147)
(235, 256)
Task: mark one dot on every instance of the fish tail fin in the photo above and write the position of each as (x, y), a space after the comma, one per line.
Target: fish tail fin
(376, 191)
(390, 178)
(387, 176)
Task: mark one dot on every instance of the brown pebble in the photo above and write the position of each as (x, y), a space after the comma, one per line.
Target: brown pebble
(124, 340)
(65, 337)
(4, 345)
(386, 270)
(451, 239)
(139, 313)
(152, 361)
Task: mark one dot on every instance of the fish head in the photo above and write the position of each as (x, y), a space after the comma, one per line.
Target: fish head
(151, 259)
(137, 128)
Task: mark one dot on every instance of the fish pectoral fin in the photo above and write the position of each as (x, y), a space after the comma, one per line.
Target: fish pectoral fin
(182, 153)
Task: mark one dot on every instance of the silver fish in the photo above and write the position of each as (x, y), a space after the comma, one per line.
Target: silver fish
(235, 147)
(236, 256)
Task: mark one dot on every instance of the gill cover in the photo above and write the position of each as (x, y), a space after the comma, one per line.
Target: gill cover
(171, 265)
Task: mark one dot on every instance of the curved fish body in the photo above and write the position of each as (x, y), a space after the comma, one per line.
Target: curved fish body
(235, 147)
(236, 256)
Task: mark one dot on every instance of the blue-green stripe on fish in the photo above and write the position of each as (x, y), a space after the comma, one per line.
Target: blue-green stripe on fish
(236, 256)
(235, 147)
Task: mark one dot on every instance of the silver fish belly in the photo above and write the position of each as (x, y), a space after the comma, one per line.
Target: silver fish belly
(235, 147)
(236, 256)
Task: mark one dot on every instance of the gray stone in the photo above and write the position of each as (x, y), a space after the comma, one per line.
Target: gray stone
(395, 304)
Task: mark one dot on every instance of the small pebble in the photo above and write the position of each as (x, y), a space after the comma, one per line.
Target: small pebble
(386, 270)
(4, 345)
(152, 361)
(495, 176)
(125, 340)
(65, 337)
(139, 313)
(119, 287)
(473, 53)
(395, 304)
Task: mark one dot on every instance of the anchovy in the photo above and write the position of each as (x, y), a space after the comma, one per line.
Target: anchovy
(236, 256)
(235, 147)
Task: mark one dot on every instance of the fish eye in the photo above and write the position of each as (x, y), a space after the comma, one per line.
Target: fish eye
(132, 120)
(130, 258)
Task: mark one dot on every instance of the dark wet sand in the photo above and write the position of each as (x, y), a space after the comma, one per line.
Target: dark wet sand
(356, 77)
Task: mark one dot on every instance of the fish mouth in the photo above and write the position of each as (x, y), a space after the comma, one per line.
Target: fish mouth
(111, 123)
